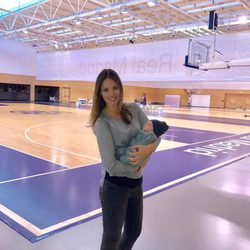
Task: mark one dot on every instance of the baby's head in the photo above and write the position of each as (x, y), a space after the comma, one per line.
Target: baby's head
(159, 127)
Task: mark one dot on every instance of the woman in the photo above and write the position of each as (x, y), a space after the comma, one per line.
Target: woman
(114, 124)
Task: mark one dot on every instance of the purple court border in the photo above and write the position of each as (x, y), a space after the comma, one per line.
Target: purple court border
(53, 202)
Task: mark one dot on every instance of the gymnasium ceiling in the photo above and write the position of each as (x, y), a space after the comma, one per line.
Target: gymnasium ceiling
(72, 24)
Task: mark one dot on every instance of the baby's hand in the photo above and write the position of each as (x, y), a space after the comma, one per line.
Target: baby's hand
(148, 126)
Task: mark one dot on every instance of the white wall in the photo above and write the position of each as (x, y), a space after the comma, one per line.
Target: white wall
(17, 58)
(158, 64)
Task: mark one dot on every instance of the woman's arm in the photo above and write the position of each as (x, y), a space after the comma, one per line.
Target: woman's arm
(142, 152)
(143, 164)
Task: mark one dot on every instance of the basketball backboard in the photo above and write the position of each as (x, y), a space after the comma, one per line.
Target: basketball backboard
(198, 53)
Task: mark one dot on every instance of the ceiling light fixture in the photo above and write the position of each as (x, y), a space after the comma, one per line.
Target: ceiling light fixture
(151, 4)
(123, 10)
(243, 20)
(99, 18)
(77, 22)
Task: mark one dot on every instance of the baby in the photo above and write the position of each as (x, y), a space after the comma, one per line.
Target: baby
(151, 130)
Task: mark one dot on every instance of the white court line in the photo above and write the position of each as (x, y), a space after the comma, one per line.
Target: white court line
(224, 137)
(39, 232)
(89, 164)
(72, 220)
(6, 146)
(46, 173)
(55, 148)
(172, 136)
(21, 221)
(210, 140)
(188, 131)
(35, 175)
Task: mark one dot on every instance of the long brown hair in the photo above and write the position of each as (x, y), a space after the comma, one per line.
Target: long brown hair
(98, 102)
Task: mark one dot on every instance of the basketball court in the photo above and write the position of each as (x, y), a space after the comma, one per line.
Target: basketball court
(42, 193)
(196, 185)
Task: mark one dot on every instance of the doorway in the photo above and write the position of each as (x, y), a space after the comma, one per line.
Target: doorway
(65, 94)
(46, 93)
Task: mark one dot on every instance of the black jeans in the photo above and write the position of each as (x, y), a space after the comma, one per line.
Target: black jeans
(121, 207)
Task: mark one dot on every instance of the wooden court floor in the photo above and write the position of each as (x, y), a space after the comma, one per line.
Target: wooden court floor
(54, 133)
(65, 139)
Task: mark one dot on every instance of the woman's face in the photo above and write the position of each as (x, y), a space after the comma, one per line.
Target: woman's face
(110, 92)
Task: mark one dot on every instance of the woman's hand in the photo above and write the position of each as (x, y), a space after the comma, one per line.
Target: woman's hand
(140, 152)
(142, 165)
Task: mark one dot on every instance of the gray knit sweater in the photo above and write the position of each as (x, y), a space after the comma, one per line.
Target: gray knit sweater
(112, 134)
